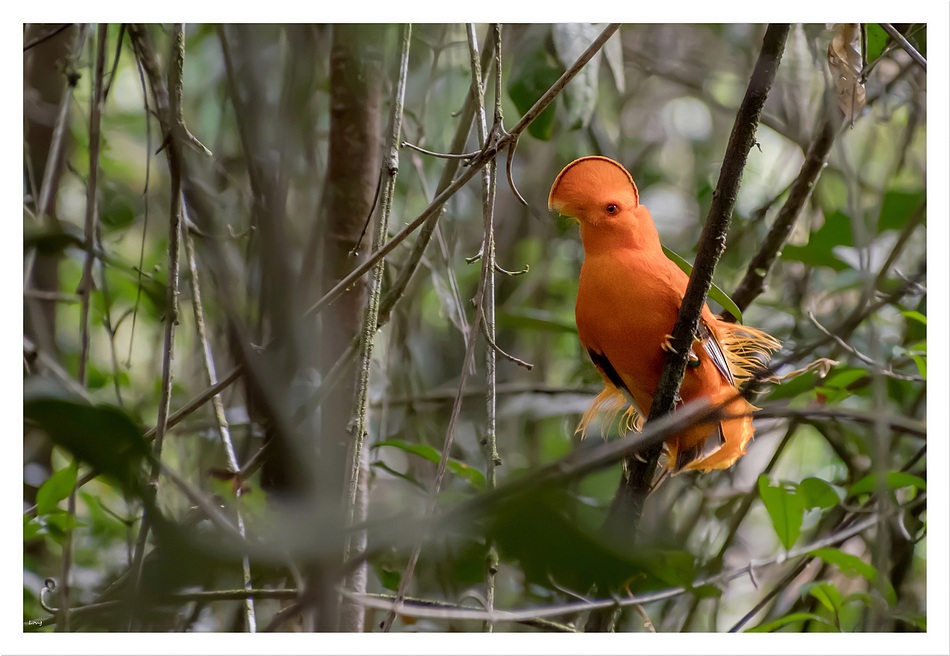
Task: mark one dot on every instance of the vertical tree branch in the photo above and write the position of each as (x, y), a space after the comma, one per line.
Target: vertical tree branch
(45, 148)
(356, 74)
(623, 520)
(489, 181)
(174, 126)
(85, 283)
(224, 431)
(486, 272)
(352, 615)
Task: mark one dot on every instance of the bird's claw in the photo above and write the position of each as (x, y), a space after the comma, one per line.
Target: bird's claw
(667, 344)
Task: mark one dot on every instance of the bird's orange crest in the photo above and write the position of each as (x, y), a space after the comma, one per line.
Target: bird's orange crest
(592, 181)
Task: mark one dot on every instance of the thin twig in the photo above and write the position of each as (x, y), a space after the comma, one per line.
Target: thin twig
(445, 395)
(905, 44)
(47, 36)
(855, 318)
(508, 356)
(909, 227)
(489, 181)
(876, 367)
(357, 478)
(783, 583)
(115, 61)
(86, 286)
(173, 140)
(432, 153)
(56, 297)
(57, 141)
(871, 418)
(250, 616)
(111, 329)
(453, 420)
(148, 172)
(399, 286)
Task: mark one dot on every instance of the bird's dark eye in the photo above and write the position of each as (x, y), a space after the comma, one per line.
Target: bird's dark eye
(612, 209)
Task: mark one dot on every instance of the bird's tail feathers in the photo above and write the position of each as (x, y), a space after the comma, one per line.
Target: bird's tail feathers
(747, 349)
(605, 408)
(721, 448)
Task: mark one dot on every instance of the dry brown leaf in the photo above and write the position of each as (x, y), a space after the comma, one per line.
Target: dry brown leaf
(845, 62)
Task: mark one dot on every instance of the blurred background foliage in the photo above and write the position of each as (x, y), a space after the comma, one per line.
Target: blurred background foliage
(661, 99)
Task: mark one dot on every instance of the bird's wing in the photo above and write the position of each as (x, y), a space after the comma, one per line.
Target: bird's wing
(717, 439)
(603, 364)
(714, 350)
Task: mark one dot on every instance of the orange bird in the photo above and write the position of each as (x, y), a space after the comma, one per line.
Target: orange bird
(628, 300)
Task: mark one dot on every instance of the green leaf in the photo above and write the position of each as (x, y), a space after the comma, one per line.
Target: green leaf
(841, 378)
(715, 293)
(793, 618)
(708, 591)
(51, 241)
(58, 523)
(379, 464)
(921, 362)
(850, 565)
(897, 208)
(117, 214)
(533, 71)
(388, 578)
(919, 41)
(469, 474)
(827, 595)
(799, 386)
(676, 568)
(56, 488)
(785, 509)
(919, 622)
(877, 41)
(540, 529)
(103, 521)
(817, 493)
(915, 315)
(32, 528)
(536, 319)
(837, 386)
(103, 436)
(819, 251)
(892, 480)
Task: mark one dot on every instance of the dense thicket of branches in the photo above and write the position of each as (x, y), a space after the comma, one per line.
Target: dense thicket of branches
(288, 366)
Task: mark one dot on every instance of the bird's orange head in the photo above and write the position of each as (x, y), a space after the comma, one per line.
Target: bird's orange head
(594, 190)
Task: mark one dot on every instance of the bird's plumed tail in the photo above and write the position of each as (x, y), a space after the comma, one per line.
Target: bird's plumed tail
(746, 350)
